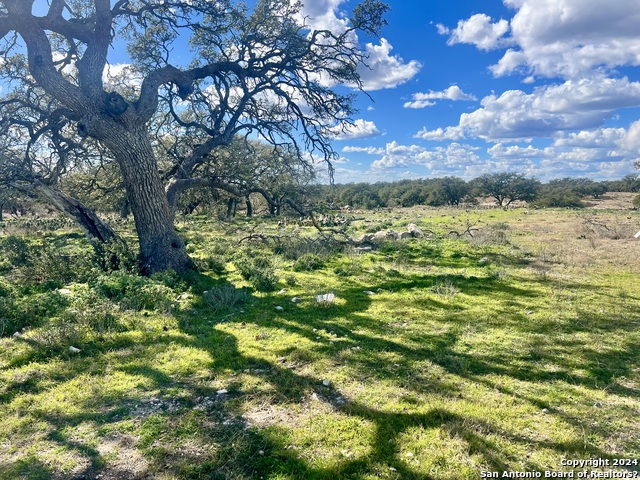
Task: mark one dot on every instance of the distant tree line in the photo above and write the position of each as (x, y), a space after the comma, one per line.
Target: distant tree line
(502, 188)
(102, 189)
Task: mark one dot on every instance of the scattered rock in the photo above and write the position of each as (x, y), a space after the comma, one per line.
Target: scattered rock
(64, 291)
(363, 249)
(222, 392)
(326, 383)
(386, 235)
(369, 292)
(367, 237)
(405, 235)
(283, 291)
(545, 410)
(16, 335)
(296, 299)
(415, 231)
(326, 298)
(597, 405)
(279, 308)
(483, 261)
(74, 349)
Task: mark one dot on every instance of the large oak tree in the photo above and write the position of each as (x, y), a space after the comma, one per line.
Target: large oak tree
(260, 74)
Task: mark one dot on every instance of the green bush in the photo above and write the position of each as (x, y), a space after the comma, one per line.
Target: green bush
(296, 247)
(259, 272)
(15, 251)
(136, 293)
(114, 256)
(265, 281)
(225, 297)
(17, 312)
(559, 198)
(308, 262)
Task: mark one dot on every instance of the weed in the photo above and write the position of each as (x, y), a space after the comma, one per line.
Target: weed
(494, 234)
(308, 262)
(445, 288)
(225, 297)
(259, 272)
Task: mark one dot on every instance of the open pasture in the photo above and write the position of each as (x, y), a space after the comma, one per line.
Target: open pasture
(440, 357)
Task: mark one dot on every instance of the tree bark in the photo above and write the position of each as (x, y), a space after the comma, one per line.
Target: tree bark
(231, 207)
(86, 218)
(247, 202)
(160, 246)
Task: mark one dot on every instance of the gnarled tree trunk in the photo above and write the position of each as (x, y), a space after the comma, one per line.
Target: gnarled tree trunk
(160, 246)
(85, 217)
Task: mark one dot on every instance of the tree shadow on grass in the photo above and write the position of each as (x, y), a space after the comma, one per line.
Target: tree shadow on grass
(189, 428)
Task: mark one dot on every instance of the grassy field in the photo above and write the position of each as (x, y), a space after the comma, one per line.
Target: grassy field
(438, 358)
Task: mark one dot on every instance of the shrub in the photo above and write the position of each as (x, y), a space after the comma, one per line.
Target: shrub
(308, 262)
(114, 256)
(136, 293)
(495, 234)
(295, 247)
(225, 297)
(559, 198)
(259, 272)
(18, 312)
(636, 201)
(15, 250)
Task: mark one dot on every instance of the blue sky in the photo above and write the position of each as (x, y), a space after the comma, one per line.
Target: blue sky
(549, 88)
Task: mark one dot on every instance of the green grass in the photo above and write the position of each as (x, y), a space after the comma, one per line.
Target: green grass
(439, 358)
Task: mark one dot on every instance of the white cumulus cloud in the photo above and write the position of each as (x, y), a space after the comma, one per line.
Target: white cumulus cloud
(453, 155)
(421, 100)
(557, 38)
(477, 30)
(448, 133)
(359, 129)
(550, 110)
(367, 150)
(383, 70)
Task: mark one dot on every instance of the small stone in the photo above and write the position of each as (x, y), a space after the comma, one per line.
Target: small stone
(296, 299)
(368, 292)
(325, 298)
(283, 291)
(597, 405)
(545, 410)
(64, 291)
(279, 308)
(392, 469)
(409, 454)
(222, 391)
(16, 335)
(530, 312)
(483, 260)
(261, 452)
(74, 350)
(326, 383)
